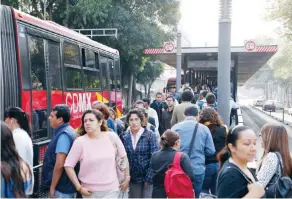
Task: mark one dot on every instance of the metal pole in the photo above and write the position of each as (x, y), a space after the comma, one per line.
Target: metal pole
(178, 62)
(224, 60)
(45, 8)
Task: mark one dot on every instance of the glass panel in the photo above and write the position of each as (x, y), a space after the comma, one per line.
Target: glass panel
(39, 94)
(118, 75)
(73, 78)
(54, 66)
(36, 50)
(104, 74)
(90, 59)
(91, 79)
(112, 74)
(71, 54)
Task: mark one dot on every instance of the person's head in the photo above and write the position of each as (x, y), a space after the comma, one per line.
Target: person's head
(92, 121)
(275, 139)
(103, 109)
(210, 116)
(11, 168)
(16, 117)
(170, 101)
(158, 97)
(170, 139)
(135, 119)
(139, 104)
(59, 115)
(240, 145)
(146, 102)
(210, 98)
(97, 104)
(173, 89)
(187, 96)
(204, 93)
(191, 111)
(145, 116)
(113, 113)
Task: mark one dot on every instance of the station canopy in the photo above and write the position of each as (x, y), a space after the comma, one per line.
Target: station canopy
(206, 58)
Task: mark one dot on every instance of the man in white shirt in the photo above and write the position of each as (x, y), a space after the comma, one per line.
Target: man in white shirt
(151, 112)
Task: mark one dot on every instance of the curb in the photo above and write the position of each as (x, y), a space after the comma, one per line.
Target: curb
(276, 118)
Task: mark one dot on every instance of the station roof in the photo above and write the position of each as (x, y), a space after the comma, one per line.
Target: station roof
(249, 62)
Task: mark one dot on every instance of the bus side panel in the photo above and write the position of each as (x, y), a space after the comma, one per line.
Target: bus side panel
(119, 102)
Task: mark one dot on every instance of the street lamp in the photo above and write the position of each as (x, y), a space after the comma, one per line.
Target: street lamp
(224, 59)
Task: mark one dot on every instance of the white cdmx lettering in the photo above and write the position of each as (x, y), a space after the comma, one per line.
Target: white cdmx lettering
(78, 102)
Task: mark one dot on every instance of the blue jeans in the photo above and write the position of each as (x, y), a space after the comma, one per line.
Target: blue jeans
(211, 173)
(199, 179)
(63, 195)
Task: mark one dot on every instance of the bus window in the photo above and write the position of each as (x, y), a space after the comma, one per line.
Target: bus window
(72, 66)
(54, 66)
(90, 72)
(117, 75)
(112, 74)
(104, 73)
(71, 54)
(38, 85)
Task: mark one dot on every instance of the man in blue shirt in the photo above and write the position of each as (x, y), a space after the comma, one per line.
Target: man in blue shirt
(203, 144)
(54, 176)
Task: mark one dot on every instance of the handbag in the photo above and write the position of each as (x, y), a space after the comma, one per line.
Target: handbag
(280, 186)
(120, 163)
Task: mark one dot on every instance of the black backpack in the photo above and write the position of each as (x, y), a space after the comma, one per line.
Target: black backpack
(280, 186)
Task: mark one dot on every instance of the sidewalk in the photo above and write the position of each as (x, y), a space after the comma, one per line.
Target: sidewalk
(278, 115)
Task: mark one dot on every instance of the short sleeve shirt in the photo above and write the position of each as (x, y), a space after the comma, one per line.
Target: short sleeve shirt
(63, 144)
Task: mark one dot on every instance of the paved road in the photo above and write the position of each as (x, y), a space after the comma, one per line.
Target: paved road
(256, 119)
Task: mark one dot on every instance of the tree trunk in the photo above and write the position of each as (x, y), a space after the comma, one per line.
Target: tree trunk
(145, 88)
(67, 14)
(130, 90)
(149, 90)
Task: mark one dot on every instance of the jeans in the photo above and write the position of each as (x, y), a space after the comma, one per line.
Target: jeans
(104, 194)
(211, 173)
(199, 179)
(63, 195)
(137, 190)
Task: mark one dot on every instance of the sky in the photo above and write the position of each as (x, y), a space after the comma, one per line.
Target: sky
(199, 21)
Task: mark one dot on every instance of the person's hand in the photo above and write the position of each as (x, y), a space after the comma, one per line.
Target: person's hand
(85, 192)
(256, 190)
(52, 192)
(124, 185)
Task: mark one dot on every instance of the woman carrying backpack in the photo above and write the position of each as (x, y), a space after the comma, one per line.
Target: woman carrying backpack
(161, 160)
(276, 161)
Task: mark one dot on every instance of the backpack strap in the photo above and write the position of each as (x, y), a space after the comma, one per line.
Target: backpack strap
(177, 157)
(193, 140)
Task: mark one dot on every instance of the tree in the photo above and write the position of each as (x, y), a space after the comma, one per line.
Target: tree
(151, 71)
(280, 11)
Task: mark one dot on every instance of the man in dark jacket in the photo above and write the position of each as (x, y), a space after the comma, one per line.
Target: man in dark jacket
(54, 177)
(167, 114)
(158, 105)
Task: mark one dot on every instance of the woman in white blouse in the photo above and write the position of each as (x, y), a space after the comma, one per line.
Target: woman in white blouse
(17, 121)
(275, 144)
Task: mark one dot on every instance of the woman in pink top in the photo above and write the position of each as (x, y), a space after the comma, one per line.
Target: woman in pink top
(96, 150)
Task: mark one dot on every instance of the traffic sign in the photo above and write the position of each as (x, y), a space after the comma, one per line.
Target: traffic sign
(168, 47)
(250, 46)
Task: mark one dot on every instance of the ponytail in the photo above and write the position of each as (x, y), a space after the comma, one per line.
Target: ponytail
(223, 156)
(24, 124)
(104, 126)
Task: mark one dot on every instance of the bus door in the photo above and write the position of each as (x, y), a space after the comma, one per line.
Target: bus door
(112, 82)
(53, 75)
(105, 76)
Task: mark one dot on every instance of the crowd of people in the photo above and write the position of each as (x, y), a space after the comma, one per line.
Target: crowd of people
(128, 157)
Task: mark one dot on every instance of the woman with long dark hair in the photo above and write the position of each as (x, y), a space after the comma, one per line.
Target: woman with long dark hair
(235, 179)
(210, 118)
(15, 173)
(276, 152)
(97, 149)
(18, 123)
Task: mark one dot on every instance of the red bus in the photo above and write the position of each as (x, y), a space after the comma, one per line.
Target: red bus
(43, 64)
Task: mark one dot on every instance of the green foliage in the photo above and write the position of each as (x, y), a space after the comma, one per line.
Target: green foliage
(280, 11)
(152, 70)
